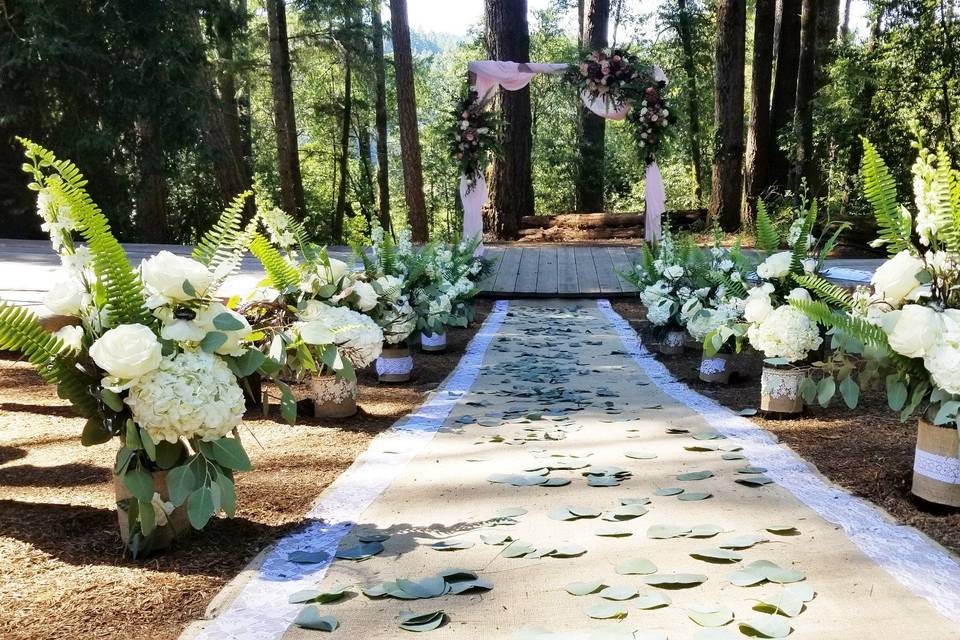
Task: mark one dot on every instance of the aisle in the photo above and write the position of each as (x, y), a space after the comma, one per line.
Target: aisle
(566, 463)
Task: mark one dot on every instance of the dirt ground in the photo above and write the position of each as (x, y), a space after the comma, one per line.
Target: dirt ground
(63, 567)
(868, 451)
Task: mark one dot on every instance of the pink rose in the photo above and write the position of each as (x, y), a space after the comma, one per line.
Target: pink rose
(466, 115)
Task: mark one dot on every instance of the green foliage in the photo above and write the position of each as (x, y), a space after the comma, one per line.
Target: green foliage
(836, 296)
(222, 248)
(894, 222)
(281, 275)
(768, 238)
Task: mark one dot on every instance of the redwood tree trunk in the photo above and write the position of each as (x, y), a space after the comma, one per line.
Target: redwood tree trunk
(285, 122)
(152, 188)
(784, 88)
(728, 114)
(592, 126)
(758, 135)
(409, 132)
(804, 166)
(380, 109)
(693, 99)
(343, 156)
(512, 185)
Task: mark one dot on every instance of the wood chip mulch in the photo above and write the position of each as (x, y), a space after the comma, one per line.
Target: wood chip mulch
(63, 567)
(867, 451)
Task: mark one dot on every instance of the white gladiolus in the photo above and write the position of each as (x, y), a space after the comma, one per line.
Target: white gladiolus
(776, 266)
(913, 330)
(72, 336)
(896, 279)
(785, 333)
(166, 273)
(190, 394)
(127, 352)
(66, 297)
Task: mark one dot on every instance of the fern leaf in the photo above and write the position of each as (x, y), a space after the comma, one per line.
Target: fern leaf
(830, 293)
(880, 190)
(120, 282)
(768, 238)
(859, 328)
(222, 247)
(281, 274)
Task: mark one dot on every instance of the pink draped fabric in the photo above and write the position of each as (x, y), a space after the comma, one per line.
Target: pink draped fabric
(512, 76)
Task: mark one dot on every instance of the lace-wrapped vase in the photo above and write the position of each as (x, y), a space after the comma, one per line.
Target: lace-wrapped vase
(433, 342)
(936, 467)
(673, 343)
(394, 365)
(333, 397)
(715, 368)
(780, 390)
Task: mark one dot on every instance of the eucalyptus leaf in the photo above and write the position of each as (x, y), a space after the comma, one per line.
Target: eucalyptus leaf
(652, 600)
(766, 626)
(308, 557)
(675, 580)
(635, 566)
(664, 531)
(667, 491)
(311, 618)
(754, 481)
(584, 588)
(695, 475)
(360, 552)
(694, 496)
(420, 622)
(721, 556)
(606, 611)
(618, 593)
(710, 615)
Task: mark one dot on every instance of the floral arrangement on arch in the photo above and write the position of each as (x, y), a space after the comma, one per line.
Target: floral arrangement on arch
(474, 136)
(903, 332)
(650, 115)
(311, 312)
(150, 356)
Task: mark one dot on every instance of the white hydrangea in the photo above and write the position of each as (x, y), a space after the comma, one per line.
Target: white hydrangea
(942, 359)
(660, 312)
(785, 333)
(357, 336)
(191, 394)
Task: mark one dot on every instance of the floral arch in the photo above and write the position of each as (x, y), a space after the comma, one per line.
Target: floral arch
(612, 85)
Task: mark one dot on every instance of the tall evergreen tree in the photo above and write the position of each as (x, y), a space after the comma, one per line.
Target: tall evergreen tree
(285, 121)
(758, 133)
(380, 109)
(409, 129)
(784, 88)
(728, 113)
(512, 185)
(592, 127)
(804, 167)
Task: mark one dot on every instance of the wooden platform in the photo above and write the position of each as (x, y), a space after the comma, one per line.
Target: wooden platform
(559, 271)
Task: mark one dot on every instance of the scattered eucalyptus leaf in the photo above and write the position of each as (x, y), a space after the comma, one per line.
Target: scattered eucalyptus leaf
(665, 531)
(766, 626)
(584, 588)
(754, 481)
(675, 580)
(635, 566)
(311, 618)
(641, 455)
(510, 512)
(744, 541)
(652, 600)
(361, 551)
(720, 556)
(308, 557)
(694, 496)
(613, 531)
(783, 530)
(420, 622)
(606, 611)
(667, 491)
(710, 615)
(704, 531)
(695, 475)
(452, 545)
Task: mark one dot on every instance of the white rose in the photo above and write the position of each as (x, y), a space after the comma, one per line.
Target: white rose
(896, 279)
(65, 297)
(913, 330)
(366, 296)
(673, 272)
(126, 352)
(757, 309)
(72, 336)
(776, 266)
(333, 273)
(166, 274)
(800, 294)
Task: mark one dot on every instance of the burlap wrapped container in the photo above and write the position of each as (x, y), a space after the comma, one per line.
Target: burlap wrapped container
(780, 390)
(333, 397)
(394, 365)
(673, 343)
(936, 466)
(716, 368)
(433, 343)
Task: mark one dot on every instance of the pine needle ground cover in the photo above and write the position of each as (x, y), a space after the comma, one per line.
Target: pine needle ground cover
(61, 557)
(831, 438)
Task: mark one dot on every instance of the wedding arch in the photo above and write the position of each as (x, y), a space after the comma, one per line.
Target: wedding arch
(598, 96)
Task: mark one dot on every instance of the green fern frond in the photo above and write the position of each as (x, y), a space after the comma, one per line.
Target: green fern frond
(281, 274)
(369, 266)
(768, 238)
(859, 328)
(831, 242)
(733, 287)
(830, 293)
(880, 190)
(222, 247)
(120, 282)
(21, 331)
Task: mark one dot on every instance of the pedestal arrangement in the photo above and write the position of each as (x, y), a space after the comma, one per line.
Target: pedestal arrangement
(780, 390)
(394, 365)
(936, 466)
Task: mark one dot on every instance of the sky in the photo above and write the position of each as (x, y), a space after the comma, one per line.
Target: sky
(457, 16)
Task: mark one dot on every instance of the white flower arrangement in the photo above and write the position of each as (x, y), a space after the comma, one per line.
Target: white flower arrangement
(785, 333)
(151, 359)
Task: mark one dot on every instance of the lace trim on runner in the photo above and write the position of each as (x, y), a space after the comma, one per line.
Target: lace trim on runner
(260, 610)
(920, 565)
(937, 467)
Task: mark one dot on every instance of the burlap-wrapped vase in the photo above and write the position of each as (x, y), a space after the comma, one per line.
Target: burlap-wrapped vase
(333, 397)
(673, 343)
(780, 390)
(177, 522)
(716, 368)
(433, 342)
(936, 466)
(394, 365)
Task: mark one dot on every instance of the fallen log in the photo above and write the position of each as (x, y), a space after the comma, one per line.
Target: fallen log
(682, 218)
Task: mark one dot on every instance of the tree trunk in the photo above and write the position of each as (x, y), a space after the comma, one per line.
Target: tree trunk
(728, 114)
(365, 188)
(512, 185)
(693, 99)
(804, 166)
(285, 122)
(380, 108)
(784, 88)
(828, 24)
(845, 28)
(152, 188)
(409, 132)
(592, 126)
(343, 157)
(758, 134)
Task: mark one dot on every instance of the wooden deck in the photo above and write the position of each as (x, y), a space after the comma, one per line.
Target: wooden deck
(559, 271)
